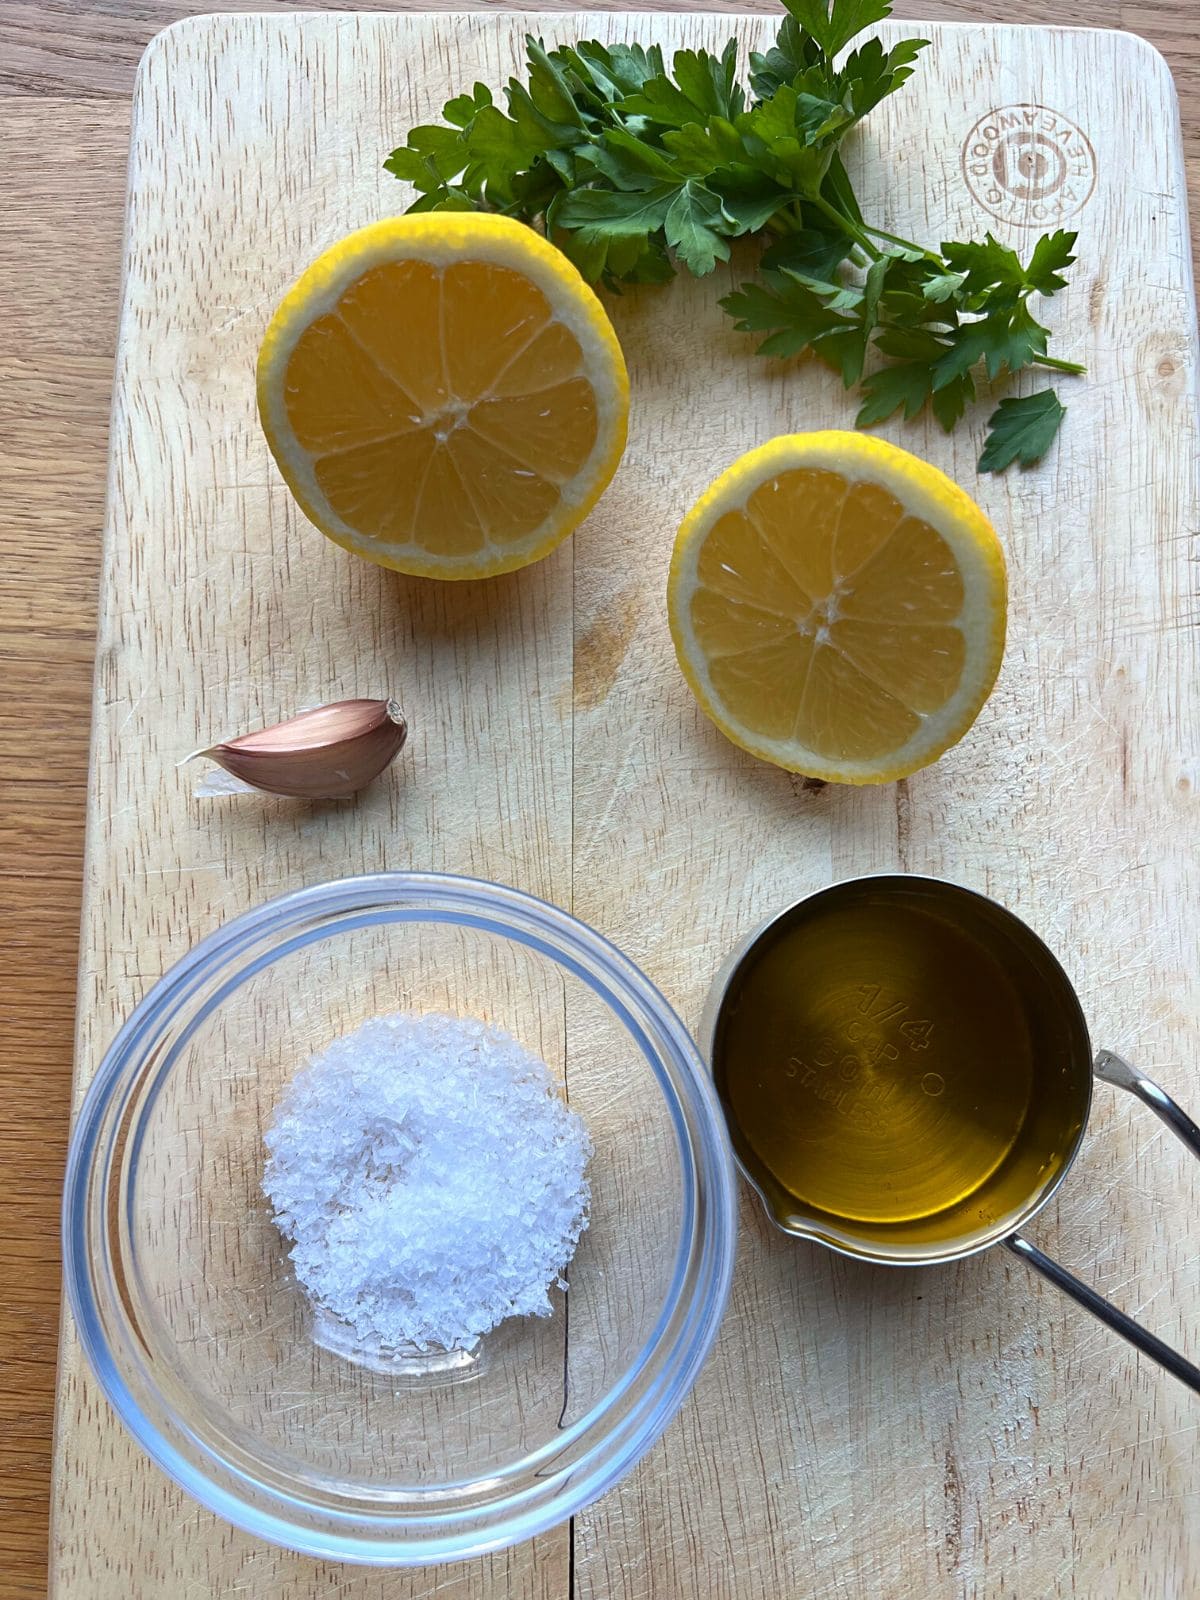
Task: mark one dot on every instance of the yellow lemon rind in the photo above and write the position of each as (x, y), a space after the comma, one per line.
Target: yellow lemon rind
(923, 491)
(443, 239)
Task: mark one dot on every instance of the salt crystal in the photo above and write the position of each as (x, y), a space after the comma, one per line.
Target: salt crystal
(431, 1180)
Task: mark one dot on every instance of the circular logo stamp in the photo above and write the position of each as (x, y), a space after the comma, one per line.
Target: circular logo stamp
(1028, 165)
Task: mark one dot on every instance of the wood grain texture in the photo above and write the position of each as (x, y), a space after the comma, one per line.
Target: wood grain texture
(65, 73)
(93, 46)
(64, 182)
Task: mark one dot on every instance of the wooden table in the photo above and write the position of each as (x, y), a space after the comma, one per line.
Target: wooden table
(66, 72)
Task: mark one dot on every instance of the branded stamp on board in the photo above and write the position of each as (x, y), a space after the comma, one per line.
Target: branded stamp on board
(1029, 165)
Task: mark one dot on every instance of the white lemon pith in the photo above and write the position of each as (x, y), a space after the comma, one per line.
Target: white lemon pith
(838, 607)
(444, 394)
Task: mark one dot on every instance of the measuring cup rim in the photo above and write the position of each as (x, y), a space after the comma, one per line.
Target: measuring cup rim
(721, 985)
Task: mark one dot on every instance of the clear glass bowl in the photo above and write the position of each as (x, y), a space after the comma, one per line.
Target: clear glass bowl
(182, 1290)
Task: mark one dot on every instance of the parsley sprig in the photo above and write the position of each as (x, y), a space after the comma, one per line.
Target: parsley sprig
(636, 172)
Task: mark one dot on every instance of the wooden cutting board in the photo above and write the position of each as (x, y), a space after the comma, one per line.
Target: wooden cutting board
(858, 1432)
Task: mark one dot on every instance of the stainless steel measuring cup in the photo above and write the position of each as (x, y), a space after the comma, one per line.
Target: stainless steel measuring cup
(1048, 1126)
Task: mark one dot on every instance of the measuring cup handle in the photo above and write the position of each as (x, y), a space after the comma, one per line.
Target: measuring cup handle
(1112, 1069)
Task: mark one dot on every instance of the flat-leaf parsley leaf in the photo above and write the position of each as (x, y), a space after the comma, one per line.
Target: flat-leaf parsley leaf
(1021, 430)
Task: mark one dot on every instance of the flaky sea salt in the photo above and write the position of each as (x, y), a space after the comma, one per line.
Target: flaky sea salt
(431, 1180)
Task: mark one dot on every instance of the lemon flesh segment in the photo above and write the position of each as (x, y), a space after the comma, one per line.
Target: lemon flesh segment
(838, 607)
(444, 395)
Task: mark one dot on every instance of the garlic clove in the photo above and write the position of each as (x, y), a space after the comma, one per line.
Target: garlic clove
(324, 754)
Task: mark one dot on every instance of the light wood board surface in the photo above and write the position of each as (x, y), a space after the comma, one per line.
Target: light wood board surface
(861, 1389)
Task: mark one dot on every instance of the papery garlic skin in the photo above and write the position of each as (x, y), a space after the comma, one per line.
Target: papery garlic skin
(328, 753)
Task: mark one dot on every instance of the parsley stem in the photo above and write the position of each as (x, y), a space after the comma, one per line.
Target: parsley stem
(905, 244)
(850, 229)
(1059, 366)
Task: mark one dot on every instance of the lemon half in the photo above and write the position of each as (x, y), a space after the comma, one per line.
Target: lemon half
(838, 607)
(444, 394)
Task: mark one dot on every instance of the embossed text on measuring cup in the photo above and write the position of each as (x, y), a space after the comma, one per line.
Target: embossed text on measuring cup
(860, 1081)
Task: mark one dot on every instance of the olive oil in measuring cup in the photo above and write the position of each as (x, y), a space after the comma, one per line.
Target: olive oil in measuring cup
(877, 1061)
(906, 1074)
